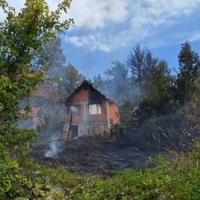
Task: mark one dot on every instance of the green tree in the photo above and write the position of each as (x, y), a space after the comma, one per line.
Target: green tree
(160, 91)
(21, 34)
(189, 69)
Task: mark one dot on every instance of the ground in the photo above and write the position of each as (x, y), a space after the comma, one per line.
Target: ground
(85, 156)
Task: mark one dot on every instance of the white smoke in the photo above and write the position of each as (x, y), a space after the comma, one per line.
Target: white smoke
(53, 149)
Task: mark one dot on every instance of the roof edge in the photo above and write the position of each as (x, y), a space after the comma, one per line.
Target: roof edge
(87, 83)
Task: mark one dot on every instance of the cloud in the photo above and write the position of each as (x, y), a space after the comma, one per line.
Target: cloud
(90, 42)
(107, 25)
(192, 36)
(98, 41)
(92, 14)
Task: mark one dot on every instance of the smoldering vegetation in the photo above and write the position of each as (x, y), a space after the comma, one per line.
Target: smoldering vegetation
(99, 156)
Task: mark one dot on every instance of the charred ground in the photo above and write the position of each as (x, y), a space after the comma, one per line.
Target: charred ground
(87, 156)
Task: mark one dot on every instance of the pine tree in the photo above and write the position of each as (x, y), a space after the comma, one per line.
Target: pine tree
(189, 69)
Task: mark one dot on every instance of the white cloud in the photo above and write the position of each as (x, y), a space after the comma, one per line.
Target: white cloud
(90, 42)
(96, 41)
(107, 25)
(110, 24)
(192, 36)
(92, 14)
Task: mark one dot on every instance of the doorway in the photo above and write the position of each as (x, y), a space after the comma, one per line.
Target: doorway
(74, 131)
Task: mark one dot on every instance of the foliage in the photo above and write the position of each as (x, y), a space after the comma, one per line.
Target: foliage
(189, 71)
(30, 31)
(142, 65)
(166, 114)
(166, 181)
(127, 117)
(160, 93)
(143, 77)
(21, 34)
(178, 179)
(157, 100)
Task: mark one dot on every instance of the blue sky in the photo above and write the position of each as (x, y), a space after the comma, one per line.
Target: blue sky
(105, 30)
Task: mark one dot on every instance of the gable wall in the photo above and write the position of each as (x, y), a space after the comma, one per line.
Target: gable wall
(91, 124)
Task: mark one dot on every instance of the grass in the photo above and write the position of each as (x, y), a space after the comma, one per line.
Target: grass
(175, 180)
(178, 179)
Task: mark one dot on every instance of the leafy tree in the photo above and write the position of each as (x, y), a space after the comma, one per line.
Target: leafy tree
(189, 69)
(160, 92)
(21, 34)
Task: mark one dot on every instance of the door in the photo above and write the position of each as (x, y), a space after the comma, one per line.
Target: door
(74, 131)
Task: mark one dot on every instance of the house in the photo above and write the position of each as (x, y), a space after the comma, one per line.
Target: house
(89, 112)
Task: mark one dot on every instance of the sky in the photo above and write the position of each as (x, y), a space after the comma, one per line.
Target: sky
(106, 30)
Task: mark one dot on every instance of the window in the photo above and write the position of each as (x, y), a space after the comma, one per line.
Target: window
(94, 109)
(74, 110)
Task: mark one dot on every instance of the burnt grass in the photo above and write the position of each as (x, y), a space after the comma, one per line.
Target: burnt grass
(97, 156)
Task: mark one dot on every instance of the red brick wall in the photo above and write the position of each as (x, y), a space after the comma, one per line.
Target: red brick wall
(82, 95)
(114, 113)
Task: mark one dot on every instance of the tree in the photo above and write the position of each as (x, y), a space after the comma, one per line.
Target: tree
(160, 92)
(136, 63)
(21, 34)
(189, 69)
(72, 79)
(141, 63)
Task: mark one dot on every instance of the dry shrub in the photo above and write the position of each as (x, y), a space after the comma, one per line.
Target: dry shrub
(166, 131)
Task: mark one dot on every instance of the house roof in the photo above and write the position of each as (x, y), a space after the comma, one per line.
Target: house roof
(87, 84)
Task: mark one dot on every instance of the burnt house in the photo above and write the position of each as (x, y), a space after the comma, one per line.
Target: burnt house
(89, 112)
